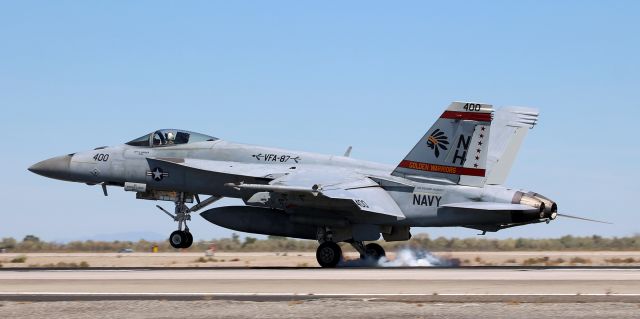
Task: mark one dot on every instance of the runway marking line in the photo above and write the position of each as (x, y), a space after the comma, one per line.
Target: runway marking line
(271, 294)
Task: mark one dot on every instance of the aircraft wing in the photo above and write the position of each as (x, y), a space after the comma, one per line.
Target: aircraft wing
(279, 186)
(328, 188)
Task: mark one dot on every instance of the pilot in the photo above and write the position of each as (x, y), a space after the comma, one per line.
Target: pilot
(171, 138)
(158, 138)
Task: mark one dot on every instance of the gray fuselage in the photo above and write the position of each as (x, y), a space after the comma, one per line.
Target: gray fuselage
(421, 202)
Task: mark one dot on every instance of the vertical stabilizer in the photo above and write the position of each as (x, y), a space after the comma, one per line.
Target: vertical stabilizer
(508, 130)
(454, 150)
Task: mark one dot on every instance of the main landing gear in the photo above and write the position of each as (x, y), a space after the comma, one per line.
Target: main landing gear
(368, 251)
(329, 253)
(374, 251)
(182, 238)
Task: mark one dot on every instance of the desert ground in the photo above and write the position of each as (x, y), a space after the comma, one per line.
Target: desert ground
(307, 259)
(326, 308)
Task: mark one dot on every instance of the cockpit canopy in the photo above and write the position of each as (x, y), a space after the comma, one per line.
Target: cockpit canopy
(170, 137)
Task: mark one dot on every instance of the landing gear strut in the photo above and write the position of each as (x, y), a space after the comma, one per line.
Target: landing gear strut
(182, 238)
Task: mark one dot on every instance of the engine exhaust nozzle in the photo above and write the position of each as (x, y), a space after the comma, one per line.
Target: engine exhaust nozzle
(551, 208)
(547, 208)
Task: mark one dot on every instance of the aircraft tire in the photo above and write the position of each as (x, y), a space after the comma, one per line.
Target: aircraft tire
(177, 239)
(374, 250)
(328, 254)
(189, 240)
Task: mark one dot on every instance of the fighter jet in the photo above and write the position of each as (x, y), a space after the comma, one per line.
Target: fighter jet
(451, 177)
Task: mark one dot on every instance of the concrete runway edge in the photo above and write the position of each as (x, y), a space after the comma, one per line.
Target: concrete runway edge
(285, 284)
(408, 298)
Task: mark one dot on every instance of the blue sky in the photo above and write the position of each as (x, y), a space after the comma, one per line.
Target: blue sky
(316, 77)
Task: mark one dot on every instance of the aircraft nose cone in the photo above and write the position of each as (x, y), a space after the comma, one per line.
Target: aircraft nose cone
(56, 167)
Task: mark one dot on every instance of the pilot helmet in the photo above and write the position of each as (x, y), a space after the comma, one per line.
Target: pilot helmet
(171, 136)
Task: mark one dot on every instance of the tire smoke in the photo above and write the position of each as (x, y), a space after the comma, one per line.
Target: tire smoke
(405, 257)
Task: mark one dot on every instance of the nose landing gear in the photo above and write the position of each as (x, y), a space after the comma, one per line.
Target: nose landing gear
(182, 238)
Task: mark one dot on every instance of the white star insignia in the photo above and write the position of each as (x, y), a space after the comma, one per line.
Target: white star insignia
(157, 174)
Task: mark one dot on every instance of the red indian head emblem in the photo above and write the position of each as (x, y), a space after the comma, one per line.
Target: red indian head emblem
(437, 141)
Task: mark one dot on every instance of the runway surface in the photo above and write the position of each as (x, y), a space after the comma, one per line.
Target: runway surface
(321, 293)
(408, 284)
